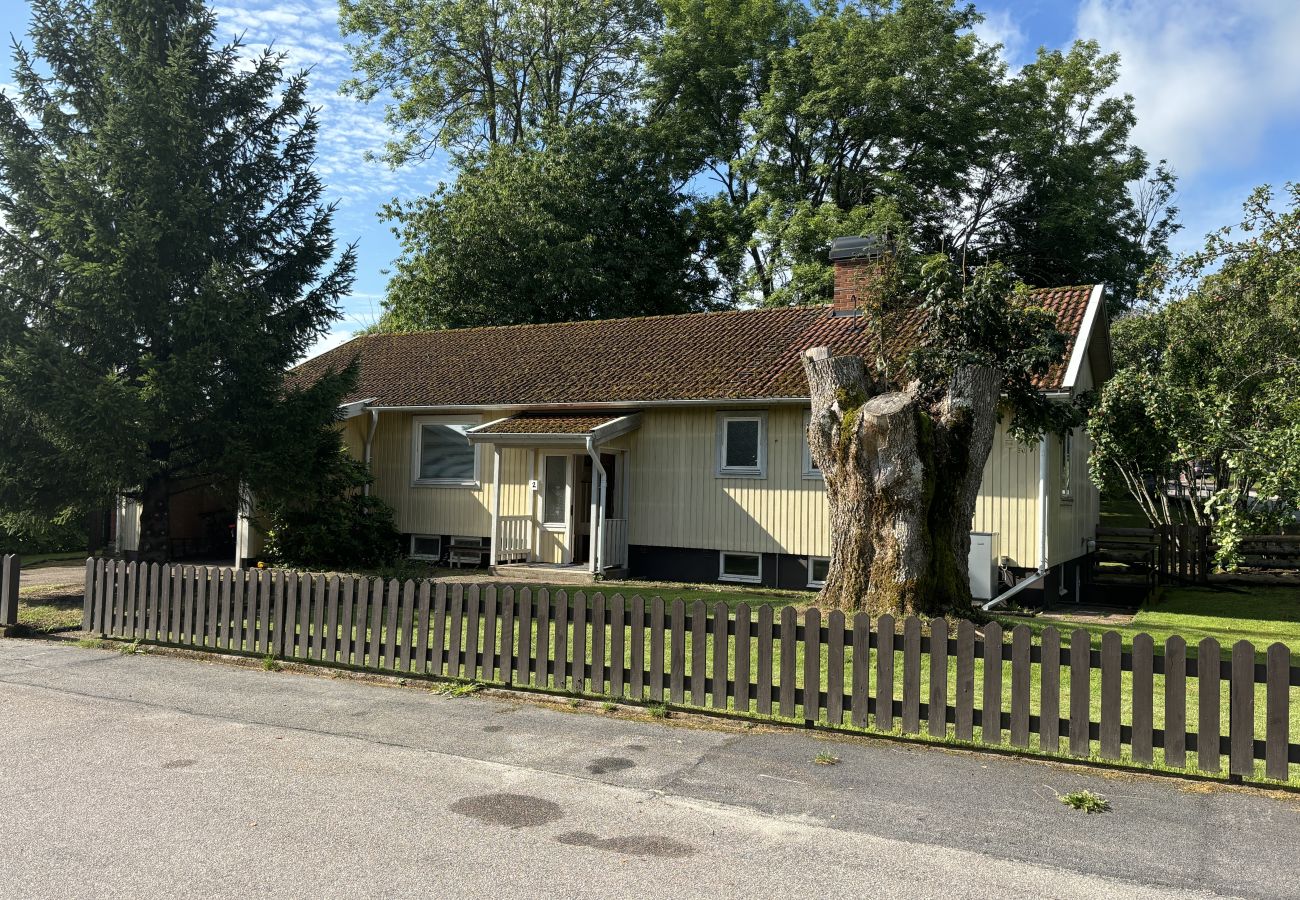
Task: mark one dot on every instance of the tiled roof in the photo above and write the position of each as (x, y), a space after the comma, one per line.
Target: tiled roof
(544, 424)
(735, 355)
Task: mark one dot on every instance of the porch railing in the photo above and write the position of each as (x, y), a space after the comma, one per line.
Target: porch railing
(615, 542)
(514, 539)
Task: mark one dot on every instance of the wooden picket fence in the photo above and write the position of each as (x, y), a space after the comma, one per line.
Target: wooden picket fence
(944, 679)
(11, 565)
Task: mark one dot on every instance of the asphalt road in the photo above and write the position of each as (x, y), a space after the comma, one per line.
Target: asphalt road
(52, 575)
(141, 776)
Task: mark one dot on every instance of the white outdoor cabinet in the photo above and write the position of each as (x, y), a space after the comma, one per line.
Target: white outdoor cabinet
(983, 565)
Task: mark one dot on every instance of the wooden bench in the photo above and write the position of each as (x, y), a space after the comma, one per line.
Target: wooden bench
(465, 551)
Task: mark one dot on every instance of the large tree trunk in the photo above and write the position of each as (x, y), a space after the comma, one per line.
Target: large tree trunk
(155, 518)
(902, 477)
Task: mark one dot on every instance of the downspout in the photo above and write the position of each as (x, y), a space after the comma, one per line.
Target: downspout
(367, 452)
(597, 508)
(1039, 575)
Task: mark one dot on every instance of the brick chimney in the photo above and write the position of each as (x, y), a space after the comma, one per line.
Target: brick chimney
(857, 262)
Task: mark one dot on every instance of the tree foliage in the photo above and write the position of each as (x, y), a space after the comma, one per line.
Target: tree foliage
(781, 124)
(587, 228)
(333, 523)
(805, 116)
(164, 255)
(469, 75)
(1205, 404)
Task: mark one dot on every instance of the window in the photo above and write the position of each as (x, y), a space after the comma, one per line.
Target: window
(818, 566)
(740, 567)
(555, 490)
(441, 453)
(426, 546)
(810, 469)
(741, 445)
(1067, 466)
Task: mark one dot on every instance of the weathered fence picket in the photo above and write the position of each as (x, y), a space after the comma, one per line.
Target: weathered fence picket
(718, 689)
(812, 667)
(1020, 640)
(1207, 732)
(859, 688)
(1049, 699)
(991, 708)
(11, 565)
(911, 675)
(885, 673)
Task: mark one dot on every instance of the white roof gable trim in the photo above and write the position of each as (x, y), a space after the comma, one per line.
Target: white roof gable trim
(355, 408)
(1090, 316)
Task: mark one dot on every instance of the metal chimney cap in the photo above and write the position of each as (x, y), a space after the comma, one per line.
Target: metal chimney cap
(856, 247)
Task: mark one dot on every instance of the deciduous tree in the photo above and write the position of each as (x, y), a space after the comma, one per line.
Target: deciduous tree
(903, 452)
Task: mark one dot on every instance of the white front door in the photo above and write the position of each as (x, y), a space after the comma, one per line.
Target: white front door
(557, 505)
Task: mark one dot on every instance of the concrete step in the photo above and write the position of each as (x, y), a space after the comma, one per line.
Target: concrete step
(536, 573)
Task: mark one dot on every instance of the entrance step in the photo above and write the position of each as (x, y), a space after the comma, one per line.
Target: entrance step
(538, 573)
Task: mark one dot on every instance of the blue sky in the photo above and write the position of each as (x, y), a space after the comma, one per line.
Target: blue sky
(1216, 82)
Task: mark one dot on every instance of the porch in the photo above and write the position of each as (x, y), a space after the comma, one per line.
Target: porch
(559, 494)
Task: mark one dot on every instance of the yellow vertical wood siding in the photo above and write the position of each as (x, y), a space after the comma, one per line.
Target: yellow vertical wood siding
(676, 498)
(1072, 522)
(424, 509)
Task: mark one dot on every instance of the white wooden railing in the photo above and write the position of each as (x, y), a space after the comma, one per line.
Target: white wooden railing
(514, 539)
(615, 542)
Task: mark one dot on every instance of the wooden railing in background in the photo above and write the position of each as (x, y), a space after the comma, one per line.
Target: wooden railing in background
(614, 534)
(946, 678)
(514, 539)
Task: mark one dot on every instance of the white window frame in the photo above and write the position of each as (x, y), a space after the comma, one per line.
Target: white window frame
(1067, 465)
(812, 582)
(743, 579)
(725, 471)
(428, 537)
(809, 471)
(417, 436)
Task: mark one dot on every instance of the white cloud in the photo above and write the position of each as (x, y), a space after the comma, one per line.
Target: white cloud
(1210, 79)
(1001, 27)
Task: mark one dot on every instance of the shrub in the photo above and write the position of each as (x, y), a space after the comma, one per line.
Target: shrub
(335, 525)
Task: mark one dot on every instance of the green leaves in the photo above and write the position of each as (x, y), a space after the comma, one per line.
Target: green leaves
(468, 75)
(991, 322)
(1209, 380)
(589, 227)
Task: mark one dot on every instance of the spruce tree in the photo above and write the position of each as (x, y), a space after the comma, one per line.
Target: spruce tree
(165, 254)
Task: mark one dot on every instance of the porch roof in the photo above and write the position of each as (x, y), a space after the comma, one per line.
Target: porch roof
(538, 428)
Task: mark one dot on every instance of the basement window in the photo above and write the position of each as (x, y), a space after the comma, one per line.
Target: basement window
(818, 566)
(745, 567)
(742, 451)
(426, 546)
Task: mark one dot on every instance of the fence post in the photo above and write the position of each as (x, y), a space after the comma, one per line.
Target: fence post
(10, 568)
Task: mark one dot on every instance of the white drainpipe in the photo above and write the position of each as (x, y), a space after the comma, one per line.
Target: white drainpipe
(370, 443)
(597, 553)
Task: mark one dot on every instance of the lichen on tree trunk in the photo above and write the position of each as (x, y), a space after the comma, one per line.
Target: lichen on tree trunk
(902, 478)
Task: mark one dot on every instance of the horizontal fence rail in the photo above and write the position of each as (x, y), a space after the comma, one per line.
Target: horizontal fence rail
(948, 680)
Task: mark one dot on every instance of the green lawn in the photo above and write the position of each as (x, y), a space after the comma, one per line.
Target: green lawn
(1122, 513)
(45, 560)
(1261, 614)
(47, 609)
